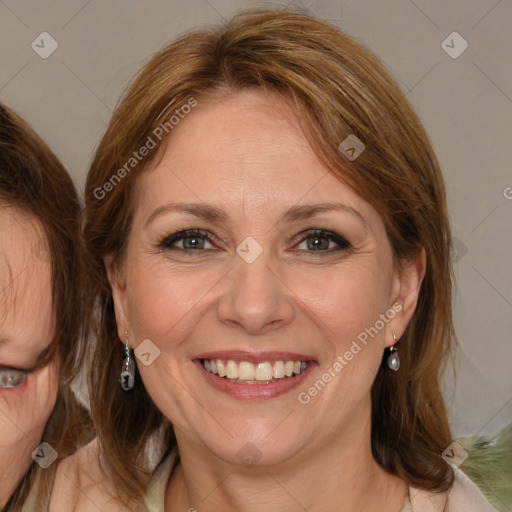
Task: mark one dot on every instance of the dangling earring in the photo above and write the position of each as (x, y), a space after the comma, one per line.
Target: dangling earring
(127, 376)
(393, 359)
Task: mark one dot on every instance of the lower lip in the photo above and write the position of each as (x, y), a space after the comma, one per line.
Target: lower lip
(254, 391)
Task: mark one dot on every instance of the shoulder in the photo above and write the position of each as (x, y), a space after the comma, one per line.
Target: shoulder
(464, 496)
(81, 484)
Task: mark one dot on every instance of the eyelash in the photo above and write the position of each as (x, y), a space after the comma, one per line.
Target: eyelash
(167, 243)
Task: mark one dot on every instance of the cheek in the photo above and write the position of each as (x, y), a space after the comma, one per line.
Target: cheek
(347, 299)
(164, 301)
(25, 410)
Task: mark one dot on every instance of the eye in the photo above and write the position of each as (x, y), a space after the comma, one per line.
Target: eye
(318, 241)
(193, 239)
(11, 377)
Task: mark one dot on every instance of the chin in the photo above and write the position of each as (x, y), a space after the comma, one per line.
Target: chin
(255, 443)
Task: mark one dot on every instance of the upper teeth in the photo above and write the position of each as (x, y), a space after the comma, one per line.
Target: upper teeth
(247, 371)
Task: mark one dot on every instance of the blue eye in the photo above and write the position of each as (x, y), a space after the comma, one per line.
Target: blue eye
(11, 377)
(194, 237)
(315, 237)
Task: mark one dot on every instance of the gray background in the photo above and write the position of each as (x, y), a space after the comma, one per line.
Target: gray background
(464, 102)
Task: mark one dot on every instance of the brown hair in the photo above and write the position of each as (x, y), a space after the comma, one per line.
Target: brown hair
(34, 181)
(338, 88)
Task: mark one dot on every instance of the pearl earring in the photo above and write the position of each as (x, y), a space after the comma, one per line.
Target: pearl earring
(393, 359)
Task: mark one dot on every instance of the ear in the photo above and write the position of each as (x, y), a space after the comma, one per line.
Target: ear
(118, 286)
(406, 288)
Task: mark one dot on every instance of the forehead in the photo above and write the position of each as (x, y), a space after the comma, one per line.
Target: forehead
(26, 318)
(246, 148)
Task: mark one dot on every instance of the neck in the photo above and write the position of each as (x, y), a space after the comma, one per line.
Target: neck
(338, 475)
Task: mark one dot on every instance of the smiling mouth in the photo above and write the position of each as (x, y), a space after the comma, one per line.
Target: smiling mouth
(245, 372)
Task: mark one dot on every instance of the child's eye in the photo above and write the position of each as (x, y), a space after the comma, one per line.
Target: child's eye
(11, 377)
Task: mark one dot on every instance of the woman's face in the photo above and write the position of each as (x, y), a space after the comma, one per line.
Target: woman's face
(26, 327)
(256, 289)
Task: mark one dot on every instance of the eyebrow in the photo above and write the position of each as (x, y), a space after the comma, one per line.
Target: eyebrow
(295, 213)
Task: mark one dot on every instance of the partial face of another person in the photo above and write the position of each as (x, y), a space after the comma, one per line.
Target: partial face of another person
(26, 329)
(258, 288)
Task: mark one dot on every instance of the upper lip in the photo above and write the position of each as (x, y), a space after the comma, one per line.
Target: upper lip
(254, 357)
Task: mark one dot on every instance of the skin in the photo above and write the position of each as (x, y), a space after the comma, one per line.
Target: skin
(26, 320)
(246, 154)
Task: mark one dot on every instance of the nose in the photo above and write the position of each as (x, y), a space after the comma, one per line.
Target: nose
(256, 300)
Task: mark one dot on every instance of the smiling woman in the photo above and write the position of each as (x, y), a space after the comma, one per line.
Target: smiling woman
(295, 217)
(41, 421)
